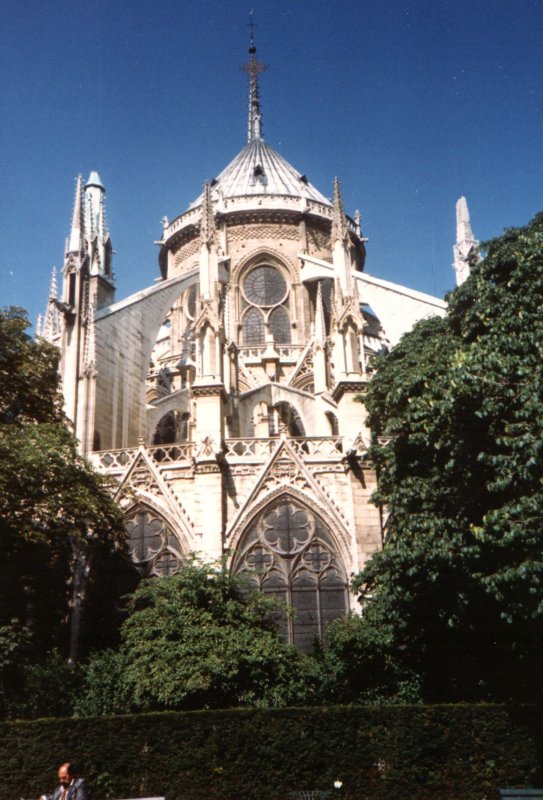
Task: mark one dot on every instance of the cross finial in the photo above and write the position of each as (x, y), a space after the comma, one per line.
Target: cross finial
(251, 25)
(253, 69)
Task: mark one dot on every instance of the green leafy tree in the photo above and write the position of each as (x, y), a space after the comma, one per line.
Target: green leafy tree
(198, 639)
(356, 664)
(456, 412)
(53, 506)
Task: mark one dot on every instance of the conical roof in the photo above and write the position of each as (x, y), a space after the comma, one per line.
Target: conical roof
(260, 170)
(94, 180)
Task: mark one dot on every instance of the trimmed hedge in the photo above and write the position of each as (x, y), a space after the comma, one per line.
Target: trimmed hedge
(379, 753)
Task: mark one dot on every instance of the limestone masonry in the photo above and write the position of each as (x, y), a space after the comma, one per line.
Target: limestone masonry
(224, 396)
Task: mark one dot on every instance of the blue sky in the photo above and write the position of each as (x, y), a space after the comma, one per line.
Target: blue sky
(411, 104)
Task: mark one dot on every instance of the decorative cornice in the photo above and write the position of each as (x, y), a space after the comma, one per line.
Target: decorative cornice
(244, 208)
(209, 390)
(349, 387)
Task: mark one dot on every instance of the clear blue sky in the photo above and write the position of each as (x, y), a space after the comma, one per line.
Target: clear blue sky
(411, 104)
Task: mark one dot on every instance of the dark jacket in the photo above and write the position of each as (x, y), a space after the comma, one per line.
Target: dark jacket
(76, 791)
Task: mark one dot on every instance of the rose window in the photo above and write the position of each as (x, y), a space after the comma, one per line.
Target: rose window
(265, 306)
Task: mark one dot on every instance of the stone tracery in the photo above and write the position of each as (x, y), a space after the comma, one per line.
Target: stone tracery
(151, 543)
(288, 552)
(225, 394)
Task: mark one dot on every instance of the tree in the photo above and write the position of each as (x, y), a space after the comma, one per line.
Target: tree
(456, 412)
(357, 664)
(198, 639)
(51, 501)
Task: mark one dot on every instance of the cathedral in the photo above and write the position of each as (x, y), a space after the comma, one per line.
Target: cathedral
(223, 399)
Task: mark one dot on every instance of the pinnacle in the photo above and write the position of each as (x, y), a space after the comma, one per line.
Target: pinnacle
(94, 180)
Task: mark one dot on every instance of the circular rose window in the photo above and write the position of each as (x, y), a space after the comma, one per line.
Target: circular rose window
(264, 286)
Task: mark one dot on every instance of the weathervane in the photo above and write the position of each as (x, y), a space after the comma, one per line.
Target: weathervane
(253, 69)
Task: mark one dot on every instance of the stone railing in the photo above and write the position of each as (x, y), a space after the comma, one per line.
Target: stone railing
(117, 462)
(318, 446)
(246, 448)
(172, 453)
(250, 203)
(306, 446)
(256, 351)
(113, 461)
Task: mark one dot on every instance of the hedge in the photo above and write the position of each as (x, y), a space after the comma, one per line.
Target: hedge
(379, 753)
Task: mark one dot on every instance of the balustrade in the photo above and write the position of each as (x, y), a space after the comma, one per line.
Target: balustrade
(116, 462)
(314, 446)
(249, 351)
(324, 446)
(113, 460)
(172, 453)
(244, 448)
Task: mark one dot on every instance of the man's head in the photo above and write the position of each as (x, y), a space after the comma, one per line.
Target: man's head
(66, 773)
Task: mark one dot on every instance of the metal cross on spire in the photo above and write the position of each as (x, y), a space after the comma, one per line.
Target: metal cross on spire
(253, 69)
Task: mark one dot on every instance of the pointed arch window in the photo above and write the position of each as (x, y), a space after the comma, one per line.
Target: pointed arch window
(327, 289)
(279, 323)
(265, 305)
(253, 327)
(152, 544)
(71, 289)
(289, 553)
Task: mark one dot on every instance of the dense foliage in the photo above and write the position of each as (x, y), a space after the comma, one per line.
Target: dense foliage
(456, 412)
(431, 753)
(54, 509)
(198, 639)
(451, 607)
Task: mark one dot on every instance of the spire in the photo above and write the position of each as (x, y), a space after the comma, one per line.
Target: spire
(103, 231)
(98, 239)
(207, 224)
(94, 180)
(253, 70)
(465, 250)
(76, 240)
(340, 229)
(51, 322)
(53, 285)
(209, 265)
(340, 244)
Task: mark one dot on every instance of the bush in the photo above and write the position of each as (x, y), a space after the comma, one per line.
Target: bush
(379, 753)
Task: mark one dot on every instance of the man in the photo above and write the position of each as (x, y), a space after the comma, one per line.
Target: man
(71, 787)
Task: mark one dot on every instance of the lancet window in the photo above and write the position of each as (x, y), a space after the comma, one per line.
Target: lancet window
(265, 306)
(289, 553)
